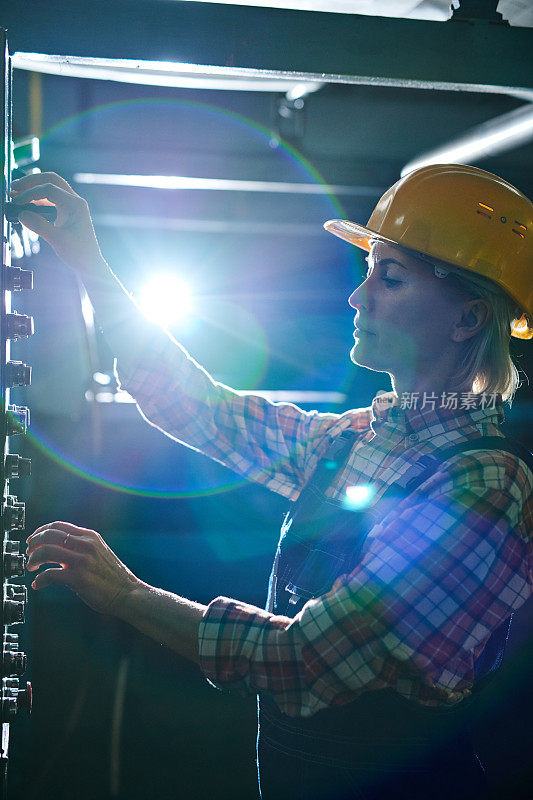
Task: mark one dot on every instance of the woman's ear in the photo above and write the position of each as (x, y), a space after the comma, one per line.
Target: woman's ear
(473, 317)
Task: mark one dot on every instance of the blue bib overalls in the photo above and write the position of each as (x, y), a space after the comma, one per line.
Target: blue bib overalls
(380, 746)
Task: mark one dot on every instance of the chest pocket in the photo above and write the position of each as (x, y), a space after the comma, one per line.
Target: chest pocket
(311, 565)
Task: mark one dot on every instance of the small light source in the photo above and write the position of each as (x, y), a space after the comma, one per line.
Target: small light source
(102, 378)
(165, 299)
(358, 497)
(104, 397)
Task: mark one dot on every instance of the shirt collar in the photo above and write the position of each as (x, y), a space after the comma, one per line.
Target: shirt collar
(424, 415)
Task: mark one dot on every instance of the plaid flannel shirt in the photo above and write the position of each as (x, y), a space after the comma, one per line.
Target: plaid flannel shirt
(436, 578)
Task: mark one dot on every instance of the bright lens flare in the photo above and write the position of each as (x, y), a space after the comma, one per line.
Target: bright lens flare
(165, 300)
(358, 497)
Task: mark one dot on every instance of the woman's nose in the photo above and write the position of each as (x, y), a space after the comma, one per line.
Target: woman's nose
(358, 298)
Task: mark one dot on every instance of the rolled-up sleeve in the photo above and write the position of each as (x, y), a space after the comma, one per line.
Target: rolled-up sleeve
(438, 576)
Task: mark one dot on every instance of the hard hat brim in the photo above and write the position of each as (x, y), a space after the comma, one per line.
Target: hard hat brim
(364, 237)
(355, 234)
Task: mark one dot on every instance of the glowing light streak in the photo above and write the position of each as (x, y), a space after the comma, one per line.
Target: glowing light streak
(182, 182)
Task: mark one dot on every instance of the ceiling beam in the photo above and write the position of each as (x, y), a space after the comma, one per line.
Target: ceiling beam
(458, 54)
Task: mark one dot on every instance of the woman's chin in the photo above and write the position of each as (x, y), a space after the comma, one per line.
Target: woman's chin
(363, 357)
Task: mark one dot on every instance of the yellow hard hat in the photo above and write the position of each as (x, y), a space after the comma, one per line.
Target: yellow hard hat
(463, 216)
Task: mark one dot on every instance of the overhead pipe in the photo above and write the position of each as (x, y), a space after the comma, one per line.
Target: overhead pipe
(502, 133)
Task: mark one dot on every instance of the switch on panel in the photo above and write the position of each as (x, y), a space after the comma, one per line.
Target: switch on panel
(14, 514)
(15, 698)
(18, 326)
(18, 418)
(17, 374)
(17, 467)
(18, 280)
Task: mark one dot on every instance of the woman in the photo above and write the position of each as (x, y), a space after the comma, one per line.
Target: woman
(384, 616)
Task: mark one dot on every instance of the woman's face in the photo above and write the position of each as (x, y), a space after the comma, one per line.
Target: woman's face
(405, 314)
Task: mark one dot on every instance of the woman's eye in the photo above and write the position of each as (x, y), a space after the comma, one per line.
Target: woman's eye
(391, 282)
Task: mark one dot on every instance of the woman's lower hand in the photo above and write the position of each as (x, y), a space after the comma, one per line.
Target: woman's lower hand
(85, 564)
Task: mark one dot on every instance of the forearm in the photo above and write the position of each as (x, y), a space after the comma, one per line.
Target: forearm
(108, 296)
(166, 617)
(125, 328)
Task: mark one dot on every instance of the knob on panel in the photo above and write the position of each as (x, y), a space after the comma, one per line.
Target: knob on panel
(14, 565)
(15, 662)
(17, 280)
(14, 514)
(17, 374)
(18, 417)
(12, 211)
(14, 699)
(17, 467)
(18, 326)
(15, 591)
(13, 612)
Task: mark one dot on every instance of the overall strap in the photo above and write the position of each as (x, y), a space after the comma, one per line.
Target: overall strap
(331, 463)
(427, 465)
(327, 469)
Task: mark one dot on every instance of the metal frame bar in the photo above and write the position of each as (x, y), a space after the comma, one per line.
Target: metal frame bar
(264, 42)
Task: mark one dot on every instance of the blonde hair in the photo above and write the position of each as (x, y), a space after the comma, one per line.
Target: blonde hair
(486, 364)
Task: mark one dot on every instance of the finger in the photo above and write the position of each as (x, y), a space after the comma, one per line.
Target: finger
(37, 178)
(66, 203)
(43, 191)
(49, 576)
(57, 532)
(57, 524)
(68, 527)
(57, 537)
(51, 554)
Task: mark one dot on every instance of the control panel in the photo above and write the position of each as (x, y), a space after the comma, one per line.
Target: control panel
(15, 692)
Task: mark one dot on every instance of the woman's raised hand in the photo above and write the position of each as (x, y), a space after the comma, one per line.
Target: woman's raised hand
(72, 235)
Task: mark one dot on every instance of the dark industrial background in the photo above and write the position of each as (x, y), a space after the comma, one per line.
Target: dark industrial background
(115, 715)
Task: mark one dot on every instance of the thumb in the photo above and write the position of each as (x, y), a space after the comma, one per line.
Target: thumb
(37, 224)
(50, 576)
